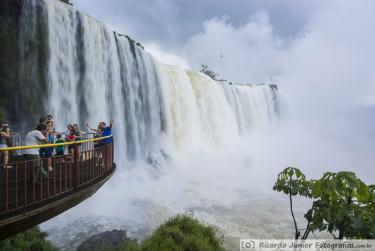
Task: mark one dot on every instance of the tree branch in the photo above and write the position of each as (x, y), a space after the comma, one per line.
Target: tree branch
(334, 236)
(307, 231)
(297, 234)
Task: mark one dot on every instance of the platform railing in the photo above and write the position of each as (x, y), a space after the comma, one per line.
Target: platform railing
(29, 183)
(18, 139)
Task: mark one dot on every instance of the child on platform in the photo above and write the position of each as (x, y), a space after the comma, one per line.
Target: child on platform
(59, 149)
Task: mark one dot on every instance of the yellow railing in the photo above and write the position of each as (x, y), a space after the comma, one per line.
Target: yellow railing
(14, 148)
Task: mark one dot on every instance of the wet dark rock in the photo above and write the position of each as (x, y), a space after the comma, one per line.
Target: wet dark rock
(273, 86)
(9, 24)
(105, 240)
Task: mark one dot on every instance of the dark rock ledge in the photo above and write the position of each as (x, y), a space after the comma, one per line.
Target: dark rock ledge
(105, 240)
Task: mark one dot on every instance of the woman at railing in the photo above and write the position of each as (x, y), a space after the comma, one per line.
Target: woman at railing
(48, 151)
(36, 137)
(77, 137)
(4, 136)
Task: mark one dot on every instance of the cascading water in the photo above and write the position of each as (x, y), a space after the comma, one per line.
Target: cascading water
(91, 74)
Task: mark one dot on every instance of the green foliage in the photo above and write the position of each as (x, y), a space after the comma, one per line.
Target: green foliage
(204, 69)
(292, 181)
(342, 203)
(126, 246)
(180, 233)
(29, 240)
(184, 232)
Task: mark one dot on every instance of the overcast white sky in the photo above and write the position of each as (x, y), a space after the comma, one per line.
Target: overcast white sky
(170, 24)
(321, 53)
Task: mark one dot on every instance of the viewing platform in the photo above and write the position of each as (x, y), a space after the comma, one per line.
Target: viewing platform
(27, 200)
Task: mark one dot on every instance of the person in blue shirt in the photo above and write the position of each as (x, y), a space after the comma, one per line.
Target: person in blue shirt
(106, 131)
(103, 131)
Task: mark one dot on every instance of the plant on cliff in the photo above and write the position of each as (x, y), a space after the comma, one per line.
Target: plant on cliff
(180, 233)
(343, 205)
(29, 240)
(184, 232)
(204, 69)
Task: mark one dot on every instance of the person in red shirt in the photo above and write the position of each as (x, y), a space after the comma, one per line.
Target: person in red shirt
(71, 138)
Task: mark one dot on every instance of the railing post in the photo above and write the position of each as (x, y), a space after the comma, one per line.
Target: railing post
(6, 189)
(76, 166)
(113, 152)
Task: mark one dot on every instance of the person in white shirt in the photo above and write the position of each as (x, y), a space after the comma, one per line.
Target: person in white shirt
(36, 137)
(4, 136)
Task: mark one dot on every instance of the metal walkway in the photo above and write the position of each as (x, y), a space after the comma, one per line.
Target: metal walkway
(33, 191)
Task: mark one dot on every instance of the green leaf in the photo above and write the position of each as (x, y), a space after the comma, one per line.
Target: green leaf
(342, 202)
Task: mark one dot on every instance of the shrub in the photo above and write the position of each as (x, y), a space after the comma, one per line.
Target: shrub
(179, 233)
(204, 69)
(184, 232)
(29, 240)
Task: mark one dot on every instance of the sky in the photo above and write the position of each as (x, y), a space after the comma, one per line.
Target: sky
(320, 53)
(170, 24)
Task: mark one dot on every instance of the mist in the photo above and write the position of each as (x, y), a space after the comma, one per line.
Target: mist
(326, 70)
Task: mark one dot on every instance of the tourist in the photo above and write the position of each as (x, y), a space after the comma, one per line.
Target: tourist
(77, 132)
(98, 134)
(103, 130)
(4, 136)
(43, 120)
(71, 138)
(47, 152)
(36, 137)
(50, 119)
(67, 132)
(78, 137)
(60, 149)
(106, 131)
(98, 131)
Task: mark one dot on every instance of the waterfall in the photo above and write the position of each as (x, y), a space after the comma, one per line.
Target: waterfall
(77, 69)
(84, 72)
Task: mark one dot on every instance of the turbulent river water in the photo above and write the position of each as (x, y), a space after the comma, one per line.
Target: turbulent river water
(184, 142)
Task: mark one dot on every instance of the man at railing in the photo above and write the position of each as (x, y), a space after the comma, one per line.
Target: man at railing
(36, 137)
(107, 131)
(103, 131)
